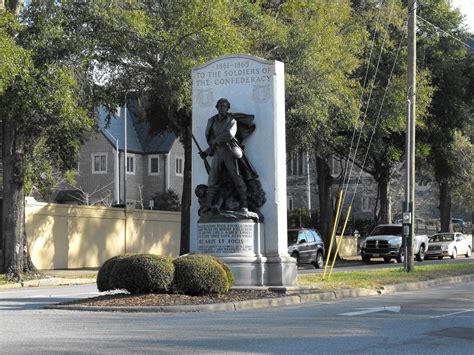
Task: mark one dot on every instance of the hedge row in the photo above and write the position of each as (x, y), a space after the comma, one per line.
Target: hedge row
(147, 273)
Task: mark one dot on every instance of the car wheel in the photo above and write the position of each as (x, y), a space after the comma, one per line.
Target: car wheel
(319, 262)
(401, 256)
(468, 252)
(296, 257)
(454, 255)
(421, 254)
(387, 259)
(440, 257)
(366, 259)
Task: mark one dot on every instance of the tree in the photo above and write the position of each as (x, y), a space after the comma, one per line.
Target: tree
(47, 105)
(450, 119)
(319, 43)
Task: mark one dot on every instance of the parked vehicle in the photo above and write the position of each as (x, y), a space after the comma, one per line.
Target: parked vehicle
(450, 244)
(306, 246)
(385, 241)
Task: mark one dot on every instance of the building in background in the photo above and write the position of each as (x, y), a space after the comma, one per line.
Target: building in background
(154, 163)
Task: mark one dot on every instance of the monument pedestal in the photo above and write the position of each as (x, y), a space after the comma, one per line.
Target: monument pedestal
(240, 244)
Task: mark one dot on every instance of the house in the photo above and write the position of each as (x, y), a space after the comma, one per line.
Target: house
(155, 163)
(302, 187)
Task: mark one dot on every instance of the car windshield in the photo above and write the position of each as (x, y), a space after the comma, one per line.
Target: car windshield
(442, 238)
(387, 230)
(292, 237)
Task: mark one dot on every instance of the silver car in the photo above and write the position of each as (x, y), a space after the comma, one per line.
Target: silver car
(449, 244)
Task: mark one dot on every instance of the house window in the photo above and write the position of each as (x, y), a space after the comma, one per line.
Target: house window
(366, 203)
(131, 164)
(335, 167)
(153, 165)
(296, 165)
(290, 206)
(99, 163)
(179, 166)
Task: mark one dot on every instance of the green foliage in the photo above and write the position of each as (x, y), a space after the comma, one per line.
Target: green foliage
(142, 273)
(49, 102)
(228, 271)
(448, 129)
(319, 45)
(103, 276)
(14, 58)
(200, 275)
(166, 201)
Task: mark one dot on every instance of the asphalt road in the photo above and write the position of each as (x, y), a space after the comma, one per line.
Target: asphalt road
(430, 321)
(358, 265)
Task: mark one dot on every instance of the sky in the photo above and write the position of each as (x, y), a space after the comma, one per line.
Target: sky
(467, 9)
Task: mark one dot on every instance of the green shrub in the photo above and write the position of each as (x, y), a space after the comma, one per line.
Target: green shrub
(228, 271)
(199, 275)
(143, 273)
(103, 276)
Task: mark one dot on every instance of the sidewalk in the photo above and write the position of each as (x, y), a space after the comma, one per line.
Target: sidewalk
(58, 278)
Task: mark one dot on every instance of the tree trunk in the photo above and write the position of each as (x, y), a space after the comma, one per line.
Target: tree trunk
(12, 5)
(445, 206)
(16, 259)
(186, 197)
(384, 192)
(326, 211)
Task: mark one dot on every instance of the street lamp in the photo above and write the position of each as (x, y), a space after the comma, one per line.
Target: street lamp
(117, 170)
(125, 164)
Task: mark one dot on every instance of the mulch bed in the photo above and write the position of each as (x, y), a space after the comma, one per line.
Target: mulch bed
(160, 299)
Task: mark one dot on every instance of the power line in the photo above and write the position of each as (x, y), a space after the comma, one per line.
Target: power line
(445, 32)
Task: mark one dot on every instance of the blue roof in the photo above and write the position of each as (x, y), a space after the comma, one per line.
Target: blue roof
(139, 139)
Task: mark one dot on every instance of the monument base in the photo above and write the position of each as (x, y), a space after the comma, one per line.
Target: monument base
(240, 244)
(262, 271)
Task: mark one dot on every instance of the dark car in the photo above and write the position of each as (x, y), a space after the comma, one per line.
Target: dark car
(306, 246)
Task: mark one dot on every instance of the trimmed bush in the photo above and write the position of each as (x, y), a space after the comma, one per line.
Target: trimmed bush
(199, 275)
(143, 273)
(103, 276)
(228, 271)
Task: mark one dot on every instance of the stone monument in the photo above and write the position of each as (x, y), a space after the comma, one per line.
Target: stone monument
(238, 212)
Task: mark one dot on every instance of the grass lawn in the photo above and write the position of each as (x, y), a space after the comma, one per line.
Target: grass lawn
(374, 279)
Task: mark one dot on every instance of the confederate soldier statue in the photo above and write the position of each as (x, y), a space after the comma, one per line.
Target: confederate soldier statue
(231, 174)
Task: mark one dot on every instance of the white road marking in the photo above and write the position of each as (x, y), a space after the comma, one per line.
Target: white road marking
(64, 294)
(394, 309)
(452, 314)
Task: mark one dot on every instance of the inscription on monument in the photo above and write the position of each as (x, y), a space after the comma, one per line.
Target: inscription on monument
(233, 72)
(223, 238)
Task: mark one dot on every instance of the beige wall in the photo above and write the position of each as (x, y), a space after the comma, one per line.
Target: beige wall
(69, 237)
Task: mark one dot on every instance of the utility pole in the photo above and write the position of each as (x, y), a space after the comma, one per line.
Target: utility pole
(409, 204)
(308, 184)
(125, 158)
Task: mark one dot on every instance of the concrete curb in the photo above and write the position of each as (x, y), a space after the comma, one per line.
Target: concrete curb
(53, 281)
(411, 286)
(277, 302)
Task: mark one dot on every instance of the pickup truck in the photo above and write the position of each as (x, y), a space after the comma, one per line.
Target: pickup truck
(385, 241)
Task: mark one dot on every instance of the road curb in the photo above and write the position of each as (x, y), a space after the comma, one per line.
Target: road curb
(411, 286)
(276, 302)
